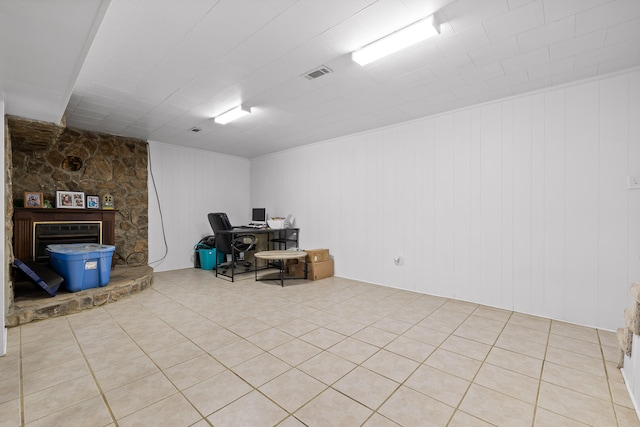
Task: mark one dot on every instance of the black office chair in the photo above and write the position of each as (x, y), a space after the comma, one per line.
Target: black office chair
(228, 243)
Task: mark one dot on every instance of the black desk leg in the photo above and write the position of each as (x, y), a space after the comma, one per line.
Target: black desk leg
(282, 273)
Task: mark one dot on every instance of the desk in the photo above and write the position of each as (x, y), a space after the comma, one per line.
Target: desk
(280, 256)
(277, 239)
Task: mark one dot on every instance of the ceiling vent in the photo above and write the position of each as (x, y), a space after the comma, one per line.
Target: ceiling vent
(318, 72)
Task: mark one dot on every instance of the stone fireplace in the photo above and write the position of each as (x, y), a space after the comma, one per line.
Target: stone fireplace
(46, 158)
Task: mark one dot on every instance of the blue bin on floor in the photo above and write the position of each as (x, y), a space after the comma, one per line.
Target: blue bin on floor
(209, 258)
(82, 265)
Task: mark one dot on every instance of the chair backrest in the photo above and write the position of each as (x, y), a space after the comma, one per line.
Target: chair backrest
(220, 222)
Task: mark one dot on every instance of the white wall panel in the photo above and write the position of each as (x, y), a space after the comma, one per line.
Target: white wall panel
(507, 231)
(554, 208)
(522, 283)
(190, 184)
(490, 204)
(463, 276)
(444, 204)
(424, 228)
(613, 207)
(475, 226)
(581, 202)
(520, 203)
(633, 264)
(538, 189)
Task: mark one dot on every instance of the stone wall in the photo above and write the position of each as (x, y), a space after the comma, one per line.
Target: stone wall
(8, 225)
(47, 158)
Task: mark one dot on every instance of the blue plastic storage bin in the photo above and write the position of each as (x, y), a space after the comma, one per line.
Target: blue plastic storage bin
(83, 265)
(209, 258)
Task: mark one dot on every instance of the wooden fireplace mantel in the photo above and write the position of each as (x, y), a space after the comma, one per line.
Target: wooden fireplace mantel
(23, 219)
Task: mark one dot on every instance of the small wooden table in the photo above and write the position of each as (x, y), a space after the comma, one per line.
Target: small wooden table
(279, 256)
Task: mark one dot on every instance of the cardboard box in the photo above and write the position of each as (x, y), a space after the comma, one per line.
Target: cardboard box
(297, 270)
(320, 270)
(317, 255)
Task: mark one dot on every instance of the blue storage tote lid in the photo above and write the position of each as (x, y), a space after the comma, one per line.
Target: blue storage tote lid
(80, 248)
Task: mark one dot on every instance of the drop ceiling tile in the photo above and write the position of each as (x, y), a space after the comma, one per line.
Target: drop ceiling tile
(101, 103)
(526, 60)
(482, 73)
(508, 80)
(180, 101)
(222, 26)
(146, 52)
(552, 68)
(455, 65)
(85, 114)
(545, 35)
(382, 18)
(344, 37)
(555, 10)
(175, 19)
(495, 94)
(495, 52)
(467, 13)
(280, 5)
(333, 13)
(413, 79)
(466, 40)
(170, 109)
(532, 85)
(578, 45)
(514, 4)
(604, 54)
(415, 57)
(575, 75)
(629, 61)
(425, 8)
(428, 90)
(514, 22)
(609, 14)
(472, 89)
(110, 81)
(123, 70)
(625, 31)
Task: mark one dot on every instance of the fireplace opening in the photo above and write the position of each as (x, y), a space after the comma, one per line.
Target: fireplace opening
(54, 233)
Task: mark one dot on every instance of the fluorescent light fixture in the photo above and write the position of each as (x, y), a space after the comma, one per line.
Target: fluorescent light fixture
(394, 42)
(233, 114)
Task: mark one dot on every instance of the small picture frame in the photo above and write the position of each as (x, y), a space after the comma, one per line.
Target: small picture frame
(70, 199)
(33, 200)
(93, 202)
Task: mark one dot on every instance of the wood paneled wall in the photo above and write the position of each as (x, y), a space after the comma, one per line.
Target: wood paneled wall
(191, 183)
(521, 203)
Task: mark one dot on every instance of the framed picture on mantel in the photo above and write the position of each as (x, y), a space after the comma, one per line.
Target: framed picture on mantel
(70, 199)
(93, 202)
(32, 200)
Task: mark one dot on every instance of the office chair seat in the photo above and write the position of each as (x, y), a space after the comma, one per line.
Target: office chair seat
(224, 242)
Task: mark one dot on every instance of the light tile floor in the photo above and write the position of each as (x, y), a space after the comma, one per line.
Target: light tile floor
(198, 351)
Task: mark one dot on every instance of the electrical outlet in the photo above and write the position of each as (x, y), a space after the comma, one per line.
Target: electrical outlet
(634, 182)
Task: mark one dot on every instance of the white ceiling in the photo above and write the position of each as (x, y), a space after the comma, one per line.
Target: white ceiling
(158, 68)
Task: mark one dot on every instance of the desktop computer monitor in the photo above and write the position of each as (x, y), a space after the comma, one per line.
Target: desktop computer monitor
(259, 216)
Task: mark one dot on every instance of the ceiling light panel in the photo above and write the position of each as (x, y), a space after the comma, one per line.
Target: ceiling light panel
(403, 38)
(233, 114)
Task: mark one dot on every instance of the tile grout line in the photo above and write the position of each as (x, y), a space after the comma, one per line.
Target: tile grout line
(93, 376)
(21, 384)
